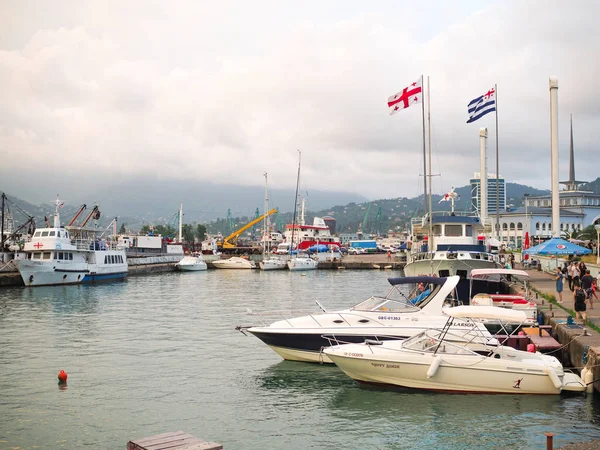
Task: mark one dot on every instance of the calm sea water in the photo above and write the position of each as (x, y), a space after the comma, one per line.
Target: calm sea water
(159, 353)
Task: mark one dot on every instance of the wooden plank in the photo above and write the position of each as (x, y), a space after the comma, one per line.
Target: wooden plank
(544, 343)
(172, 441)
(535, 331)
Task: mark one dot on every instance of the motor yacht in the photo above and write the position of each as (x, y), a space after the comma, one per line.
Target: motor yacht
(444, 360)
(191, 263)
(412, 305)
(235, 262)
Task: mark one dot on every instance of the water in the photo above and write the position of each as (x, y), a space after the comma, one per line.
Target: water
(159, 353)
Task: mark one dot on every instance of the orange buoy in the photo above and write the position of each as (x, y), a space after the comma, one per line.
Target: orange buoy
(62, 377)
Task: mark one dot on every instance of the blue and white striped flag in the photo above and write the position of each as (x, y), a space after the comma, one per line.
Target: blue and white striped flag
(482, 105)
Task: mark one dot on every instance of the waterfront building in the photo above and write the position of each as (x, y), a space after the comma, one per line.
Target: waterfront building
(578, 209)
(492, 188)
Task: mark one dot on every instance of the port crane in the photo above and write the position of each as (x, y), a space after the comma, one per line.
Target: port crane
(230, 242)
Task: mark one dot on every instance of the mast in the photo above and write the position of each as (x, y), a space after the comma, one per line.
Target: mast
(2, 226)
(295, 202)
(430, 242)
(497, 173)
(266, 240)
(424, 158)
(181, 222)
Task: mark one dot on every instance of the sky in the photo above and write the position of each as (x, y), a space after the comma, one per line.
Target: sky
(97, 91)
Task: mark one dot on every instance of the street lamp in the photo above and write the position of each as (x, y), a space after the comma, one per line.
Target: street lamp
(597, 227)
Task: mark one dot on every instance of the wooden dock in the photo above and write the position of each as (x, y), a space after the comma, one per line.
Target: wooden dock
(177, 440)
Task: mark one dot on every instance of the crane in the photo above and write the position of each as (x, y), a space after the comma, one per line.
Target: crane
(230, 242)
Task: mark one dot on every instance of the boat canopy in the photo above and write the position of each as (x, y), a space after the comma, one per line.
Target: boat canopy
(487, 273)
(416, 280)
(486, 312)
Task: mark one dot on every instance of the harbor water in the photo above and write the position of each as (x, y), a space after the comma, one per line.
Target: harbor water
(159, 353)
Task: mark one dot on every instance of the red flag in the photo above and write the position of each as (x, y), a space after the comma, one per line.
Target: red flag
(410, 95)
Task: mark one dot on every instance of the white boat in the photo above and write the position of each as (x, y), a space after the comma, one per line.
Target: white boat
(458, 247)
(235, 262)
(402, 313)
(191, 263)
(274, 262)
(492, 287)
(71, 255)
(302, 262)
(438, 360)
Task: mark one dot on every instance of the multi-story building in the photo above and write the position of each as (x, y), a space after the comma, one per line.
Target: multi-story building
(493, 187)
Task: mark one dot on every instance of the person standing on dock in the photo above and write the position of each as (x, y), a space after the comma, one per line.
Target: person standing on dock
(586, 284)
(579, 303)
(558, 276)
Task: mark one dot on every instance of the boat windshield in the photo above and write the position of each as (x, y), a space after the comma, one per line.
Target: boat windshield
(384, 304)
(461, 342)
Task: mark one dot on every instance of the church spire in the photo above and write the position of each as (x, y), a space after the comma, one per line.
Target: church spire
(572, 184)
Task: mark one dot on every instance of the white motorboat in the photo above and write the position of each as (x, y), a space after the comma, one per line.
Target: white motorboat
(191, 263)
(442, 360)
(302, 261)
(491, 287)
(402, 313)
(71, 254)
(235, 262)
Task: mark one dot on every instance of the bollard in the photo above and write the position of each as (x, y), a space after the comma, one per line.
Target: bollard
(549, 437)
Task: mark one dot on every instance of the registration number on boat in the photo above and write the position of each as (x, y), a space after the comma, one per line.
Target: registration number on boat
(356, 355)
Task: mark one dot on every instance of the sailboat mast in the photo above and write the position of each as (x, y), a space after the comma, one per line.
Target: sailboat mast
(2, 226)
(430, 243)
(181, 222)
(497, 173)
(296, 202)
(266, 234)
(424, 158)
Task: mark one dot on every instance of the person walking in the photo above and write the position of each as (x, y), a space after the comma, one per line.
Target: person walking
(558, 276)
(576, 274)
(586, 284)
(570, 275)
(579, 304)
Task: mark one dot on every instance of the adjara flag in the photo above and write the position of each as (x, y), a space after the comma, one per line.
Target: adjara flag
(410, 95)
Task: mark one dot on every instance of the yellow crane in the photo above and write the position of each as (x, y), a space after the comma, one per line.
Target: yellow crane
(230, 242)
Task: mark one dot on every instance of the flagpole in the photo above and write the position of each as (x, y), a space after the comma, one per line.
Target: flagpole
(430, 241)
(497, 173)
(424, 154)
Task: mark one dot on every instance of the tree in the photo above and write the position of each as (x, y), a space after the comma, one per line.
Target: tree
(122, 230)
(200, 232)
(188, 235)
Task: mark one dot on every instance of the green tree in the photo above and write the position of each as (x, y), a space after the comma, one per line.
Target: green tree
(188, 235)
(200, 232)
(122, 230)
(145, 229)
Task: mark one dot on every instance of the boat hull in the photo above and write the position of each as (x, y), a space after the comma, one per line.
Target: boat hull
(191, 267)
(451, 376)
(36, 273)
(273, 264)
(300, 264)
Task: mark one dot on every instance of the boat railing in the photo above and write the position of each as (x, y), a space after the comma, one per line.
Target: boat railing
(82, 243)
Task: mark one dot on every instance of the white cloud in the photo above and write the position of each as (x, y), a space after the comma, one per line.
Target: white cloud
(224, 93)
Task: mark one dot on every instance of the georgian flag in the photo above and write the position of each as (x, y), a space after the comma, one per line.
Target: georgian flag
(410, 95)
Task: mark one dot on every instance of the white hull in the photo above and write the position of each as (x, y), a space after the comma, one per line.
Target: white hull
(191, 264)
(297, 264)
(273, 264)
(44, 273)
(192, 267)
(233, 263)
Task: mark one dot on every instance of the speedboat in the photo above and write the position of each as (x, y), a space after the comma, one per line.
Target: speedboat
(72, 254)
(440, 360)
(398, 315)
(191, 263)
(235, 262)
(492, 287)
(302, 262)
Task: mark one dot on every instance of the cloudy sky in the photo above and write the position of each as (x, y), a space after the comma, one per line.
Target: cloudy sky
(96, 91)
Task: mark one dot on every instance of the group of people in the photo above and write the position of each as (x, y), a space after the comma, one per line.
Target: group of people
(581, 283)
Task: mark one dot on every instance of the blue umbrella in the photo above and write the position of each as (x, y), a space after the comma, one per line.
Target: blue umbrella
(557, 246)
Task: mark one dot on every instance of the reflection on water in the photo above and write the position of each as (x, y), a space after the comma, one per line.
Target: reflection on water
(159, 353)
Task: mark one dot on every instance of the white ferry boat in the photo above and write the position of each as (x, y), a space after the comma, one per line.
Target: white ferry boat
(71, 255)
(458, 246)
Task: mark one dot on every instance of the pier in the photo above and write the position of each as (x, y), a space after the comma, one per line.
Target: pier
(581, 346)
